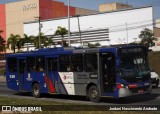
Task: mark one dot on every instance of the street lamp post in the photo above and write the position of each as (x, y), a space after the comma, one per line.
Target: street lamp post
(40, 26)
(69, 22)
(79, 30)
(127, 32)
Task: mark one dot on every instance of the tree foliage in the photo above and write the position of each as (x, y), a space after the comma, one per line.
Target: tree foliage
(61, 31)
(2, 44)
(93, 45)
(43, 40)
(28, 39)
(14, 42)
(147, 37)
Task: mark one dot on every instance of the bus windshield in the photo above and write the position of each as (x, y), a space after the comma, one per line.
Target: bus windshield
(134, 67)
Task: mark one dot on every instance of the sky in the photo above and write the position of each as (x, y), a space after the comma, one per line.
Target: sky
(93, 4)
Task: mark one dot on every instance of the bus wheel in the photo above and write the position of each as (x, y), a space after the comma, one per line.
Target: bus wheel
(93, 94)
(36, 90)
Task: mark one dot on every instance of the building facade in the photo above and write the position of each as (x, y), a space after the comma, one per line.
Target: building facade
(157, 23)
(157, 32)
(124, 25)
(13, 15)
(113, 6)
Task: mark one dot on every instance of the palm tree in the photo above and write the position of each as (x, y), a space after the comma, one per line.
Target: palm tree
(28, 39)
(2, 44)
(50, 42)
(61, 31)
(43, 39)
(13, 42)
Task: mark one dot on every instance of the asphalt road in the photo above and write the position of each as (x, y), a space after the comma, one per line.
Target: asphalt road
(147, 99)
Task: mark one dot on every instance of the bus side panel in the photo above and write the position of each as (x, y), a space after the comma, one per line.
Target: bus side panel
(12, 81)
(43, 88)
(36, 77)
(13, 85)
(82, 80)
(28, 87)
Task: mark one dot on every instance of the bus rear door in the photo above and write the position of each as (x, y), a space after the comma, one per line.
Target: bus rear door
(52, 74)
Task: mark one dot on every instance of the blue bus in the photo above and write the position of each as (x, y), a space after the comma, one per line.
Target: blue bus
(117, 71)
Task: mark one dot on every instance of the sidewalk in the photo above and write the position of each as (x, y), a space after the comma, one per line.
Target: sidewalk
(2, 78)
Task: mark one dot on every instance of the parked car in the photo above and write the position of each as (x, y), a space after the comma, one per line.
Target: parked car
(155, 79)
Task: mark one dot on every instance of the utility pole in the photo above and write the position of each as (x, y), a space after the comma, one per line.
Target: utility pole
(69, 43)
(40, 26)
(79, 30)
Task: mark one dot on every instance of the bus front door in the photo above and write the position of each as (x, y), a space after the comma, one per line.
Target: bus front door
(21, 73)
(52, 74)
(108, 72)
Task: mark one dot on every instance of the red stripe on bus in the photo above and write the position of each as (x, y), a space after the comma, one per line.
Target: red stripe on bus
(51, 87)
(49, 84)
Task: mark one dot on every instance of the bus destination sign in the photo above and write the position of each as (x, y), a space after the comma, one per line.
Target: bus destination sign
(132, 50)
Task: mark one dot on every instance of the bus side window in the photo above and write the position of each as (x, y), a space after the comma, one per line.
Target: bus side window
(52, 64)
(22, 66)
(64, 63)
(40, 64)
(90, 62)
(31, 64)
(12, 64)
(77, 63)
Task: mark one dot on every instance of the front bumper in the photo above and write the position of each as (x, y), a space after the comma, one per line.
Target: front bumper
(124, 92)
(155, 81)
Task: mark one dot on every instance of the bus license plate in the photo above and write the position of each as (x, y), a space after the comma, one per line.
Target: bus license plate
(140, 91)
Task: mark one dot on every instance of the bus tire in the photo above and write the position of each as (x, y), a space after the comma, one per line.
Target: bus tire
(36, 90)
(94, 94)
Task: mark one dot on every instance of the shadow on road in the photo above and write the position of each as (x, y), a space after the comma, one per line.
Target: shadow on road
(131, 99)
(127, 100)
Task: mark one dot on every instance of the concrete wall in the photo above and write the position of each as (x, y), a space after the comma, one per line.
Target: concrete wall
(112, 7)
(122, 6)
(3, 20)
(54, 9)
(81, 11)
(157, 35)
(157, 23)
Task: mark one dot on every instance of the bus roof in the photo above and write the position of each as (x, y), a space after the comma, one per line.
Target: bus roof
(69, 50)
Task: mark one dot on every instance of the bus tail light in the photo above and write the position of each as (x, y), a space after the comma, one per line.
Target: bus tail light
(132, 86)
(120, 86)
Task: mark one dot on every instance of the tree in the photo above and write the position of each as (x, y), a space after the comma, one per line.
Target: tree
(50, 42)
(43, 39)
(93, 45)
(13, 42)
(61, 31)
(28, 39)
(147, 37)
(2, 44)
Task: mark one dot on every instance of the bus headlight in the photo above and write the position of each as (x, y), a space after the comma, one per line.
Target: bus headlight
(118, 86)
